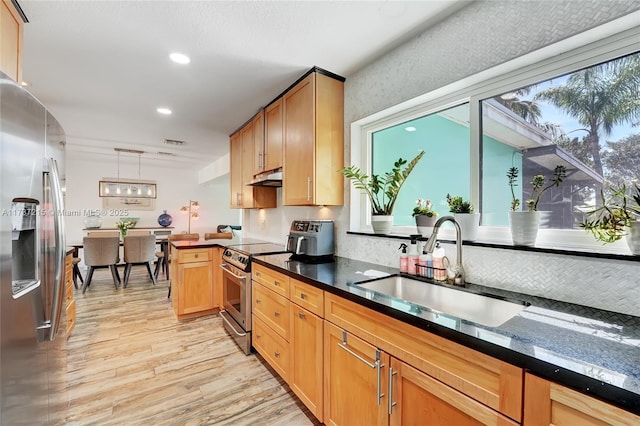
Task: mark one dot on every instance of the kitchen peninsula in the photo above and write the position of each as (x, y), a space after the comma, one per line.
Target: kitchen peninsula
(575, 356)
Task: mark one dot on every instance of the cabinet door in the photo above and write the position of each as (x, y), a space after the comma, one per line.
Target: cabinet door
(11, 30)
(235, 170)
(258, 144)
(547, 403)
(299, 156)
(196, 290)
(419, 399)
(273, 135)
(305, 343)
(217, 277)
(355, 379)
(247, 165)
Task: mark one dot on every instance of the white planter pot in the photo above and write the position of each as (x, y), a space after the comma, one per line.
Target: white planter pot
(381, 224)
(633, 238)
(524, 227)
(469, 224)
(425, 224)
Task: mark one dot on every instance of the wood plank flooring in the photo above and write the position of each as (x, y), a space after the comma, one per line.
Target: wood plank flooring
(130, 362)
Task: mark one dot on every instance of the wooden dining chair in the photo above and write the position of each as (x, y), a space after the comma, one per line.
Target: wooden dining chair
(104, 234)
(139, 250)
(165, 258)
(101, 251)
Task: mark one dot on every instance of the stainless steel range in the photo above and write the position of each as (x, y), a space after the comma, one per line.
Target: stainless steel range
(236, 289)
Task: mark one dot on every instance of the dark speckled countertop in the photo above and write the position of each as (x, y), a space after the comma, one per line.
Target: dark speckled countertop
(593, 351)
(201, 243)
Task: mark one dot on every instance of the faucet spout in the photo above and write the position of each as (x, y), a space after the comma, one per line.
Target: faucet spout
(430, 245)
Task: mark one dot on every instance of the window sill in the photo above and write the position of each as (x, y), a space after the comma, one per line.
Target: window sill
(539, 248)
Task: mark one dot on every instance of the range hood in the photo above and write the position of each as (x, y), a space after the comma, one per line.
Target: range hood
(273, 178)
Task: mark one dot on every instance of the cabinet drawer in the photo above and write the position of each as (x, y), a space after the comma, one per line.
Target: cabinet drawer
(271, 279)
(489, 381)
(307, 296)
(71, 318)
(273, 348)
(188, 256)
(68, 292)
(272, 308)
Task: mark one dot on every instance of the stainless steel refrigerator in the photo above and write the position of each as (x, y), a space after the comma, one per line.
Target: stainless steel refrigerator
(32, 254)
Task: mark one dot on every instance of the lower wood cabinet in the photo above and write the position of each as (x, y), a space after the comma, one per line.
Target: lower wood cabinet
(273, 348)
(356, 380)
(192, 282)
(306, 360)
(351, 365)
(69, 301)
(415, 398)
(547, 403)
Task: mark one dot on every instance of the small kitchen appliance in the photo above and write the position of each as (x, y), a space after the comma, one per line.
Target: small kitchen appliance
(311, 240)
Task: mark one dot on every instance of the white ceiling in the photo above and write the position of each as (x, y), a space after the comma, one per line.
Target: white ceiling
(102, 67)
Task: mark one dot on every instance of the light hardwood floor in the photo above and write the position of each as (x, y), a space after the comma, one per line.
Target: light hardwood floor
(130, 362)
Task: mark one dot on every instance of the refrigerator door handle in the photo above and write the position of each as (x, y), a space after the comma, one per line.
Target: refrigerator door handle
(58, 288)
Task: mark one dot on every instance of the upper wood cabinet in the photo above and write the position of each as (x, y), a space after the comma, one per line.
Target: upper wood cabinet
(313, 142)
(268, 139)
(547, 403)
(11, 29)
(242, 154)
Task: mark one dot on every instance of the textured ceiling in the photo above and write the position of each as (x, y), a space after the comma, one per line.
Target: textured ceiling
(102, 67)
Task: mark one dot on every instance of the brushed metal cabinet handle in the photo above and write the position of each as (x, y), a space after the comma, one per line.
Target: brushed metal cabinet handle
(301, 315)
(277, 354)
(303, 296)
(276, 314)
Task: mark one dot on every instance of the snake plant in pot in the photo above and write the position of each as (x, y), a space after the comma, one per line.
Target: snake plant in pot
(524, 224)
(616, 217)
(382, 190)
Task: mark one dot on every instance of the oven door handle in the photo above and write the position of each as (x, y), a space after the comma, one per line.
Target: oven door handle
(222, 315)
(222, 266)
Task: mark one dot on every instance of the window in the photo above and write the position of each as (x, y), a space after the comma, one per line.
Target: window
(585, 121)
(513, 115)
(444, 136)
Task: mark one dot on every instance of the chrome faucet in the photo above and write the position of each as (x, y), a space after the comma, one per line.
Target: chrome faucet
(459, 278)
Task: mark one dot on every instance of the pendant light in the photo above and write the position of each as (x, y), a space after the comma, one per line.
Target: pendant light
(118, 187)
(139, 183)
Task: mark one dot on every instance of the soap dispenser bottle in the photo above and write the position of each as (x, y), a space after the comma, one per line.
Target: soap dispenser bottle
(404, 264)
(439, 271)
(412, 256)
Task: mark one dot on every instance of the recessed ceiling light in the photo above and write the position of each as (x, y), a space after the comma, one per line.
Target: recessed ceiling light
(410, 129)
(165, 111)
(179, 58)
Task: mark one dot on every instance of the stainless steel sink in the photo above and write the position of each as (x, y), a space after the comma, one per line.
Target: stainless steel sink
(480, 309)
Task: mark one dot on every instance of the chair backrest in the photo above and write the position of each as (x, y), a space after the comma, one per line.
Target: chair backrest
(139, 248)
(218, 235)
(104, 234)
(138, 232)
(184, 237)
(101, 251)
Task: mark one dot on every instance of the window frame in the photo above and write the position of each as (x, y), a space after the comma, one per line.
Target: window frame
(604, 43)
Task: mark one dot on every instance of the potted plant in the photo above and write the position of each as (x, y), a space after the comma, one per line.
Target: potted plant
(524, 224)
(425, 217)
(463, 213)
(616, 217)
(382, 191)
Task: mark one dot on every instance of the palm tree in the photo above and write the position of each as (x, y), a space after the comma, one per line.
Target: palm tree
(600, 98)
(528, 110)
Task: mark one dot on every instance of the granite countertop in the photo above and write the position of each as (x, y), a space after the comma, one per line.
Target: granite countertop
(593, 351)
(201, 243)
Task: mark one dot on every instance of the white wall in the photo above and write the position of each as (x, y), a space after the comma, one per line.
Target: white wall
(481, 36)
(175, 187)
